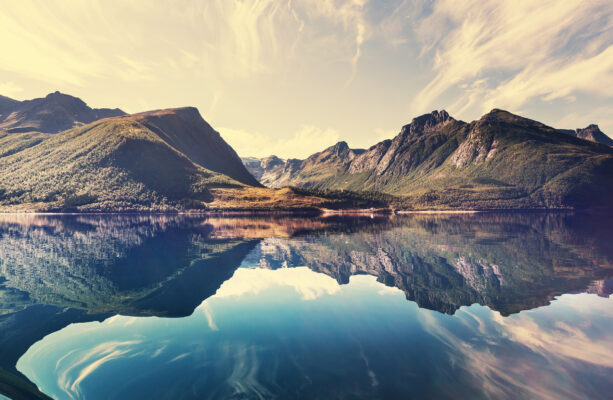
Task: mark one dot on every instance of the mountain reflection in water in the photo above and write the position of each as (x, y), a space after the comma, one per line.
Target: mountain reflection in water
(272, 306)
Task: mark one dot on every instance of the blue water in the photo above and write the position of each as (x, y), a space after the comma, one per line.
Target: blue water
(426, 307)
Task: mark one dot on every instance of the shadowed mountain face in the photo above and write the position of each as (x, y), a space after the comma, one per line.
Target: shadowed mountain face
(499, 161)
(186, 131)
(58, 270)
(51, 114)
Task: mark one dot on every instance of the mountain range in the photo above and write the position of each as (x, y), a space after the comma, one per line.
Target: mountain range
(163, 160)
(499, 161)
(58, 154)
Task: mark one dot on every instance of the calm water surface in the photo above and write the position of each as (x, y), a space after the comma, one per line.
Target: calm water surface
(488, 306)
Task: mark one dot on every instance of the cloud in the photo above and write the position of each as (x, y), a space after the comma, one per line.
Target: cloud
(563, 334)
(494, 53)
(308, 284)
(70, 377)
(301, 144)
(70, 43)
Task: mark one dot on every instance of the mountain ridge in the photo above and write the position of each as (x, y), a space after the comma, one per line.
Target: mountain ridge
(157, 161)
(501, 160)
(53, 113)
(186, 131)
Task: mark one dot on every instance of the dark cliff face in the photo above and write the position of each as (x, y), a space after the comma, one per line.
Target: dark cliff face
(51, 114)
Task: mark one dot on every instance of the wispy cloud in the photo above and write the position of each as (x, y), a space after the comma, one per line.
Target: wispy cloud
(505, 53)
(542, 341)
(69, 43)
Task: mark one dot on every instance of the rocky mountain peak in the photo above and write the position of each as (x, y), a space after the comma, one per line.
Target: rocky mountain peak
(271, 161)
(497, 115)
(338, 148)
(66, 100)
(425, 123)
(593, 133)
(340, 152)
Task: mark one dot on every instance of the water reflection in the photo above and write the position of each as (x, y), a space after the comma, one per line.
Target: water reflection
(298, 320)
(301, 335)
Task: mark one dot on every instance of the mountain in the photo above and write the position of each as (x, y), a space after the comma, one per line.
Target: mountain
(51, 114)
(163, 160)
(501, 160)
(445, 262)
(259, 166)
(274, 172)
(185, 131)
(154, 159)
(591, 132)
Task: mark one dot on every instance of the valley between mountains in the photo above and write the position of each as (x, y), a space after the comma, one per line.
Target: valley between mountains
(58, 154)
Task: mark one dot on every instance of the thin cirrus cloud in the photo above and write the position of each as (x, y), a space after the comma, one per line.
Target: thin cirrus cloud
(72, 42)
(506, 53)
(545, 341)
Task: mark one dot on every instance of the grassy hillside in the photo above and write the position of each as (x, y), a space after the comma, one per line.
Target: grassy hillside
(11, 143)
(116, 163)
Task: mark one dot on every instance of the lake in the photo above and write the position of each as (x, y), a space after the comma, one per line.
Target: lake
(466, 306)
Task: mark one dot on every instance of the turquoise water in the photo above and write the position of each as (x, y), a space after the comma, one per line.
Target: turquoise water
(491, 306)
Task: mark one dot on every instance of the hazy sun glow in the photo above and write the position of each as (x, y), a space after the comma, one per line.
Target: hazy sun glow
(269, 74)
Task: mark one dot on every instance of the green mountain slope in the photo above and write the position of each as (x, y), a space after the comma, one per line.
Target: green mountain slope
(11, 143)
(117, 163)
(499, 161)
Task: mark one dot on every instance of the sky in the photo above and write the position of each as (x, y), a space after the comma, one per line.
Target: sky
(291, 77)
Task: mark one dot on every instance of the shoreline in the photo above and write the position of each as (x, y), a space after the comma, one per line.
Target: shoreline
(312, 212)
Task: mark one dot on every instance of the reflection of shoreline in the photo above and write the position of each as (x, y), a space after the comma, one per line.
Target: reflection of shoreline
(307, 212)
(466, 253)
